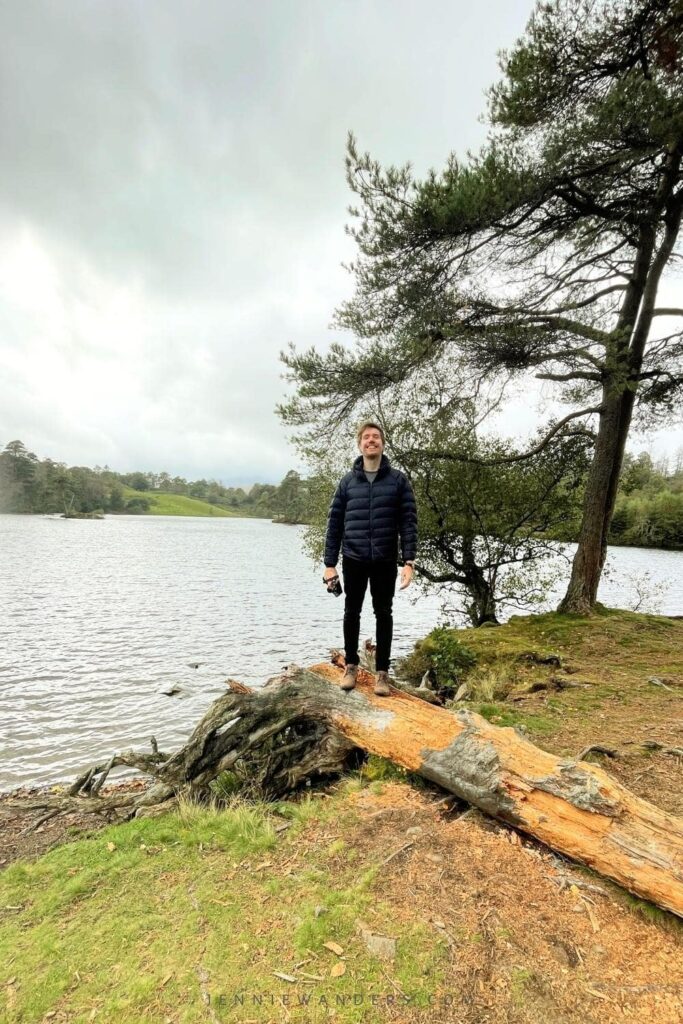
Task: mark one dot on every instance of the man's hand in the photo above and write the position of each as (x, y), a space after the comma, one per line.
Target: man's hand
(330, 571)
(406, 576)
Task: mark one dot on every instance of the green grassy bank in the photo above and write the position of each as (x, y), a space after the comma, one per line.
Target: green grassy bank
(131, 924)
(162, 504)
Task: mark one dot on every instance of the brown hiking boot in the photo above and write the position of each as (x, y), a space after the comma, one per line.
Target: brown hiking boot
(349, 678)
(382, 688)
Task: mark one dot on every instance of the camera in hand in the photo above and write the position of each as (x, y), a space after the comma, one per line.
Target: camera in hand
(333, 585)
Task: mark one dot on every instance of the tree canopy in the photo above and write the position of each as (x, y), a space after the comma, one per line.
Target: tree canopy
(542, 254)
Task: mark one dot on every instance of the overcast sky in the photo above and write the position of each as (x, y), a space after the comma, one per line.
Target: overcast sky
(173, 202)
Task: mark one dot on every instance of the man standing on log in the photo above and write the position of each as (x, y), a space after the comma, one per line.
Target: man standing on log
(372, 507)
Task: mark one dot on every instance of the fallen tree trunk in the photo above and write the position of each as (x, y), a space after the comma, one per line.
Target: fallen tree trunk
(302, 726)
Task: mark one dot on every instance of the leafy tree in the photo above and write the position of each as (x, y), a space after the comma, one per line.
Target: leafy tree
(18, 478)
(484, 530)
(651, 514)
(543, 253)
(138, 481)
(198, 489)
(137, 505)
(117, 498)
(291, 499)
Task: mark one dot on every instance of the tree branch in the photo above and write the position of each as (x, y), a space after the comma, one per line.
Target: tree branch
(457, 457)
(575, 375)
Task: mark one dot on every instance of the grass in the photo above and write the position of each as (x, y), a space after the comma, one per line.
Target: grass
(146, 920)
(536, 724)
(605, 660)
(162, 504)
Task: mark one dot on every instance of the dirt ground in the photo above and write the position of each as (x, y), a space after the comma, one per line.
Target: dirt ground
(23, 838)
(531, 937)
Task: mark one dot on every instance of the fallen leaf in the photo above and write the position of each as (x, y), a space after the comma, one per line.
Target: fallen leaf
(338, 969)
(166, 979)
(285, 977)
(335, 947)
(111, 846)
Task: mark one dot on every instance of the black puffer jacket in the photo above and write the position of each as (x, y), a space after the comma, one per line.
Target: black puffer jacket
(368, 518)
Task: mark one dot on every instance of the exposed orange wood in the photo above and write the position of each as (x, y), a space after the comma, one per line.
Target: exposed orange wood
(572, 806)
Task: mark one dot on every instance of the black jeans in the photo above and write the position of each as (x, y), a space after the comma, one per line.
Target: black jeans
(382, 578)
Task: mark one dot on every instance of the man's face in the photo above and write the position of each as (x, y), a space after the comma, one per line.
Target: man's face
(371, 442)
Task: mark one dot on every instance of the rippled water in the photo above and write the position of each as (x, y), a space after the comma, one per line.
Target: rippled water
(98, 617)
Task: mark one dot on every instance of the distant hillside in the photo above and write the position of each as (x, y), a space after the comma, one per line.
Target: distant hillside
(162, 504)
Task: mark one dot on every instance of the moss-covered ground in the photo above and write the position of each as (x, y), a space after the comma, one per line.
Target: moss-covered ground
(619, 684)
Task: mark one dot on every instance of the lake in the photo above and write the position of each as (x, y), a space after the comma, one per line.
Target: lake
(97, 618)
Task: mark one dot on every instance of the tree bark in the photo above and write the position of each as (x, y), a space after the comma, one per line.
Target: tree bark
(482, 608)
(598, 508)
(301, 726)
(625, 361)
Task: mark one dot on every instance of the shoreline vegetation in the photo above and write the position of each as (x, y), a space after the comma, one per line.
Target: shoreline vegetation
(29, 485)
(371, 883)
(648, 513)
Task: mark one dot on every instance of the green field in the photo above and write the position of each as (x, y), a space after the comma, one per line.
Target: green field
(163, 504)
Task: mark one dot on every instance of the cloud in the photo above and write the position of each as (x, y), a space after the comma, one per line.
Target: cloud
(172, 205)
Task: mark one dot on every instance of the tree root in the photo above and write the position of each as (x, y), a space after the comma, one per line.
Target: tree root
(271, 747)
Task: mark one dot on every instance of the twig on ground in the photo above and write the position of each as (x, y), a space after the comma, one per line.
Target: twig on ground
(391, 856)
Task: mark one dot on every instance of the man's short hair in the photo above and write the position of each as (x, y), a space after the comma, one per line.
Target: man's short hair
(365, 425)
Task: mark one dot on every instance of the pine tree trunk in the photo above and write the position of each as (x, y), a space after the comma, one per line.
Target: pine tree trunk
(598, 508)
(619, 392)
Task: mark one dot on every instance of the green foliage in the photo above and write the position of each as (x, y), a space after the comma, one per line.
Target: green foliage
(28, 484)
(440, 652)
(134, 506)
(484, 518)
(291, 500)
(225, 786)
(649, 521)
(540, 256)
(377, 770)
(649, 508)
